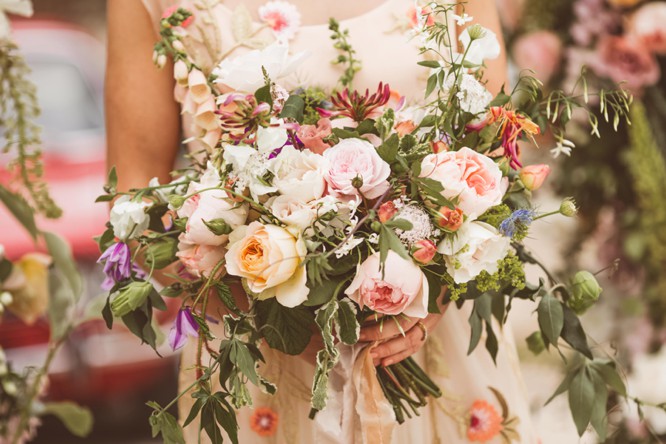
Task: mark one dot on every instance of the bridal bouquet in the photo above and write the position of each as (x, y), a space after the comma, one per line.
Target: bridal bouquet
(333, 209)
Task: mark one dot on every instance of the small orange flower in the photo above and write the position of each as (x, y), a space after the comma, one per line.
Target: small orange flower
(264, 421)
(484, 422)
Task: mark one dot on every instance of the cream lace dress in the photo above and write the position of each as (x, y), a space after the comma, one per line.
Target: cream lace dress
(469, 411)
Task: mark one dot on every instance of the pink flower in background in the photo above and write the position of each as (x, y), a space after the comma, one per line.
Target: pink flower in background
(313, 136)
(648, 24)
(282, 17)
(400, 288)
(420, 17)
(626, 59)
(540, 51)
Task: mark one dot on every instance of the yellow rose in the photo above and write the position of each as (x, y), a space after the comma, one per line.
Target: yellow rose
(270, 259)
(28, 284)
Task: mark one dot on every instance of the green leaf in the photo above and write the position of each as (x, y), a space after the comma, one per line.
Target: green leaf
(347, 326)
(263, 94)
(581, 399)
(429, 64)
(78, 420)
(241, 357)
(61, 306)
(209, 421)
(21, 210)
(550, 317)
(501, 99)
(434, 290)
(389, 241)
(609, 374)
(482, 305)
(563, 387)
(498, 308)
(285, 329)
(389, 149)
(599, 413)
(226, 417)
(112, 178)
(431, 85)
(194, 411)
(399, 224)
(320, 294)
(573, 333)
(477, 329)
(293, 108)
(63, 260)
(165, 424)
(491, 342)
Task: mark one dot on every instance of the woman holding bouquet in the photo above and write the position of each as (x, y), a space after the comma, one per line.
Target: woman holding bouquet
(482, 401)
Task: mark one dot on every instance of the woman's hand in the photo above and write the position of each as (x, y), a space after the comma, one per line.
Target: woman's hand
(394, 346)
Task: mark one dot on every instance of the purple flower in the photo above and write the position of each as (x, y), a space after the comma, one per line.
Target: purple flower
(117, 264)
(184, 326)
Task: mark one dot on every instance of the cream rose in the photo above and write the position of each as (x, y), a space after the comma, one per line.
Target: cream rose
(474, 179)
(299, 174)
(401, 288)
(476, 247)
(292, 212)
(356, 159)
(270, 259)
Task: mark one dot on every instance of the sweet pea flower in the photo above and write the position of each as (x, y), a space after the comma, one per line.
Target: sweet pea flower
(128, 218)
(184, 326)
(117, 264)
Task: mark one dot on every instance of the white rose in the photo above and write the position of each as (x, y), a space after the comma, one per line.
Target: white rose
(292, 212)
(299, 174)
(129, 219)
(244, 73)
(476, 247)
(486, 47)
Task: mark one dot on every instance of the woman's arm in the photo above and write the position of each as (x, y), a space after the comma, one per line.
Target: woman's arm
(142, 118)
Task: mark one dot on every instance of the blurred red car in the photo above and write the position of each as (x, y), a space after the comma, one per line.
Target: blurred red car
(96, 365)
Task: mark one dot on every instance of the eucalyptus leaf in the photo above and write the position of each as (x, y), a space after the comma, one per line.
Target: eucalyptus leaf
(551, 317)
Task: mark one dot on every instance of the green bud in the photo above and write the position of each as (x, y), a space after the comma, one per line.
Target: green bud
(218, 227)
(585, 291)
(176, 201)
(357, 182)
(535, 343)
(161, 253)
(568, 207)
(376, 226)
(130, 298)
(180, 223)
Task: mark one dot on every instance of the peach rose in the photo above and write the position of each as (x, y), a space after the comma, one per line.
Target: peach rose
(648, 24)
(200, 260)
(313, 136)
(471, 178)
(533, 176)
(540, 51)
(356, 162)
(270, 259)
(423, 251)
(626, 59)
(386, 211)
(400, 288)
(450, 219)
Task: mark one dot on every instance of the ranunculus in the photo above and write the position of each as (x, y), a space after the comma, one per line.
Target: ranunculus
(292, 212)
(533, 176)
(244, 73)
(313, 136)
(474, 179)
(423, 251)
(450, 219)
(626, 59)
(649, 25)
(476, 247)
(540, 51)
(208, 205)
(401, 288)
(270, 259)
(484, 45)
(29, 286)
(356, 162)
(129, 219)
(299, 174)
(200, 260)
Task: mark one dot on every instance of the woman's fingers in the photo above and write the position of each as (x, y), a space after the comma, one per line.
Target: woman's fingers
(386, 328)
(404, 346)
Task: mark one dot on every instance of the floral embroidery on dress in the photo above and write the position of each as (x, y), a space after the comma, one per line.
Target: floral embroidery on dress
(264, 421)
(484, 423)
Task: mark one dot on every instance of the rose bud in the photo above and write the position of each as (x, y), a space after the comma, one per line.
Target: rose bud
(439, 146)
(585, 292)
(450, 219)
(386, 211)
(423, 251)
(533, 176)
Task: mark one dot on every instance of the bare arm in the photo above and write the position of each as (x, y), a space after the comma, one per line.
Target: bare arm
(142, 118)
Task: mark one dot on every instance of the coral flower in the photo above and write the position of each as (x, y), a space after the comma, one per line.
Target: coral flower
(282, 17)
(484, 422)
(264, 421)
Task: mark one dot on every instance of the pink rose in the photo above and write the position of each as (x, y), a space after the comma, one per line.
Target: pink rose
(626, 59)
(649, 25)
(386, 211)
(313, 136)
(533, 176)
(471, 178)
(540, 51)
(355, 169)
(200, 260)
(401, 288)
(423, 251)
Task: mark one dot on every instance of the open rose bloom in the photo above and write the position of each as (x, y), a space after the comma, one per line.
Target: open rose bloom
(325, 209)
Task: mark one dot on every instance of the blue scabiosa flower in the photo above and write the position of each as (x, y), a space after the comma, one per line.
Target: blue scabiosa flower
(516, 225)
(184, 326)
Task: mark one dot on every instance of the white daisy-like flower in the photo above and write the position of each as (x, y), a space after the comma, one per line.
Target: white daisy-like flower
(282, 17)
(474, 97)
(563, 146)
(421, 226)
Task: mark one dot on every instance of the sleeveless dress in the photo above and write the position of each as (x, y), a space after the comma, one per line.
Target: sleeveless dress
(469, 410)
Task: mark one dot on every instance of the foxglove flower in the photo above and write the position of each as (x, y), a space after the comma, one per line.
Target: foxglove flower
(117, 264)
(184, 326)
